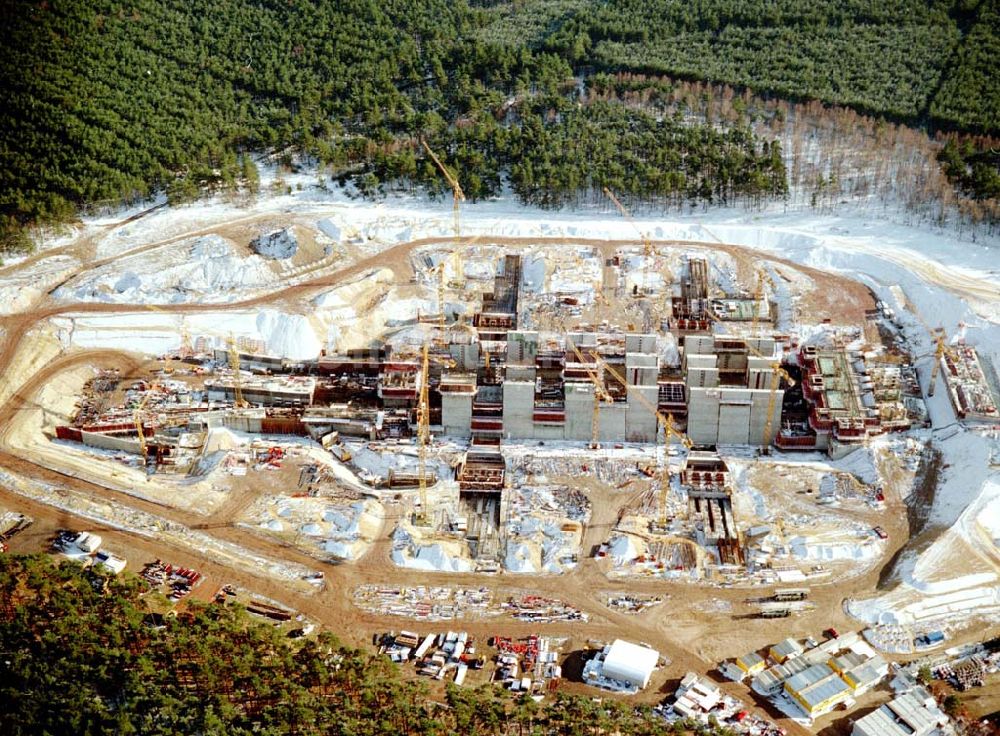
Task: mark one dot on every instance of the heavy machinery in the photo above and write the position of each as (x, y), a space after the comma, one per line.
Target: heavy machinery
(600, 394)
(234, 365)
(670, 431)
(458, 196)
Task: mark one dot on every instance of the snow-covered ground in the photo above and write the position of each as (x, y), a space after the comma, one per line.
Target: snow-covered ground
(949, 282)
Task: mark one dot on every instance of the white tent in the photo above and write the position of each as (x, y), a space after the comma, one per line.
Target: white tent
(631, 663)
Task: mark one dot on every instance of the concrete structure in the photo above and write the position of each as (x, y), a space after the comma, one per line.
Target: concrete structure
(697, 697)
(850, 400)
(750, 663)
(547, 392)
(786, 649)
(915, 713)
(729, 389)
(819, 678)
(457, 394)
(110, 562)
(277, 391)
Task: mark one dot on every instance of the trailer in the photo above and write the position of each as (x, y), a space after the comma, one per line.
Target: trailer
(775, 613)
(424, 647)
(790, 594)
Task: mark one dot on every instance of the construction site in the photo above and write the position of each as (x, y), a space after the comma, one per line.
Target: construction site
(605, 436)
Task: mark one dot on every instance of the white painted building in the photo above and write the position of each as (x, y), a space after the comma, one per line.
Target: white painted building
(622, 666)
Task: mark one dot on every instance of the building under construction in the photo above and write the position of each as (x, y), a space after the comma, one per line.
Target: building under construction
(731, 397)
(968, 387)
(706, 478)
(848, 400)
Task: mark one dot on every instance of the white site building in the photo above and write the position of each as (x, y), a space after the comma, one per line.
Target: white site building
(622, 666)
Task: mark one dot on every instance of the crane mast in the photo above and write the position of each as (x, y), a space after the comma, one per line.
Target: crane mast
(458, 196)
(669, 431)
(647, 244)
(423, 434)
(600, 393)
(234, 365)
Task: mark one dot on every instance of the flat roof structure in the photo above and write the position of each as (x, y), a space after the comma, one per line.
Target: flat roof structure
(908, 715)
(785, 649)
(817, 689)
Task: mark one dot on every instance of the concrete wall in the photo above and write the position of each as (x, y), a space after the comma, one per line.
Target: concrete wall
(612, 422)
(522, 347)
(244, 423)
(107, 442)
(456, 413)
(520, 373)
(518, 408)
(703, 415)
(734, 417)
(699, 345)
(579, 411)
(641, 369)
(466, 356)
(641, 423)
(758, 416)
(640, 343)
(701, 373)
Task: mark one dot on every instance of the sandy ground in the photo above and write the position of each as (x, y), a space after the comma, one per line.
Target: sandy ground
(695, 627)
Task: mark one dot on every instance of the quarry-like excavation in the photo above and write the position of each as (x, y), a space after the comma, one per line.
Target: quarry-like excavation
(409, 536)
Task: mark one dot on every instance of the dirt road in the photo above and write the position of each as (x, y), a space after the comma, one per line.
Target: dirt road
(690, 629)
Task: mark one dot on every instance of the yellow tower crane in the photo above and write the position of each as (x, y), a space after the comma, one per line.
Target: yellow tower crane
(137, 420)
(458, 196)
(234, 365)
(600, 393)
(941, 349)
(424, 435)
(647, 244)
(670, 431)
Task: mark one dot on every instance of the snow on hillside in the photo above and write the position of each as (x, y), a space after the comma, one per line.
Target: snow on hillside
(207, 269)
(950, 282)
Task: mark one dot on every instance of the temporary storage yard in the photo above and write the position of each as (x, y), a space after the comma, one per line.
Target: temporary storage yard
(711, 437)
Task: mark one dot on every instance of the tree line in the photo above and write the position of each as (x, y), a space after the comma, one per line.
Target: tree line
(81, 655)
(108, 102)
(912, 61)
